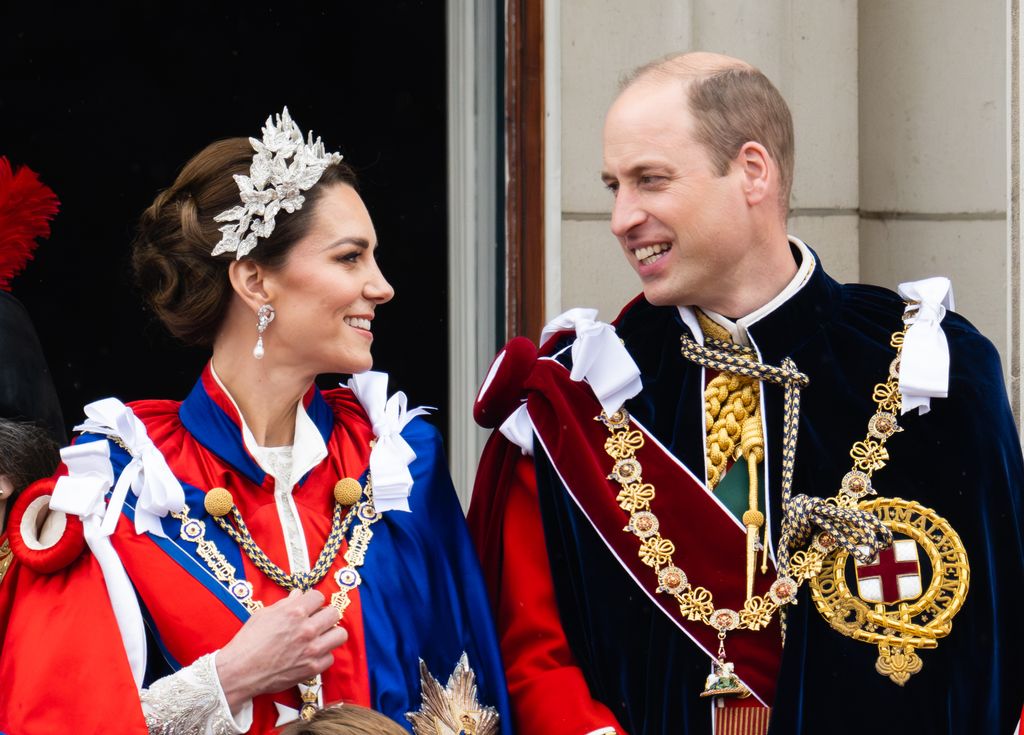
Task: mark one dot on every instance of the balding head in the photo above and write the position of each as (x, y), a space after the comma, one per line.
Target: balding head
(684, 67)
(732, 103)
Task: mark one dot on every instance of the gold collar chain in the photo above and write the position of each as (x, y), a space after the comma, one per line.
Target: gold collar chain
(837, 514)
(347, 491)
(347, 578)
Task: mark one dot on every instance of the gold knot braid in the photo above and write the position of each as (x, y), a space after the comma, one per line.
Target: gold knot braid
(752, 437)
(732, 412)
(850, 528)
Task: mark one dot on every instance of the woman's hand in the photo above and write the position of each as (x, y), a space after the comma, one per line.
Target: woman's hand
(279, 646)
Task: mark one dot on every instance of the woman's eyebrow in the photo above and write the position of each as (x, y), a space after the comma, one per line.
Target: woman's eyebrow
(360, 242)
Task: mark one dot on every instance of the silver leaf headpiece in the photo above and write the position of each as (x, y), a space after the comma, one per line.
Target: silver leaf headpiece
(284, 166)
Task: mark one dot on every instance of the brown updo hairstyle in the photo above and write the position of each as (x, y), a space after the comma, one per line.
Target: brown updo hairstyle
(186, 287)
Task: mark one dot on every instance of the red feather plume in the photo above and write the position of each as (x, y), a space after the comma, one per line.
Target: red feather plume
(26, 207)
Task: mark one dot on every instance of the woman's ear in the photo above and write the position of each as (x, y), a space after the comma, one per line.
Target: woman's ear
(247, 279)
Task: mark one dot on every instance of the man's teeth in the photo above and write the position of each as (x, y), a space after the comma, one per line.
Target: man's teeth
(358, 323)
(646, 255)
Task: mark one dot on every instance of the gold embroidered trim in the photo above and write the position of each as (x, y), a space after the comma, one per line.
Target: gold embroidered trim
(6, 557)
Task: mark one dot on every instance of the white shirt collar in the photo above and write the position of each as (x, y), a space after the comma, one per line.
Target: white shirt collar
(308, 447)
(738, 329)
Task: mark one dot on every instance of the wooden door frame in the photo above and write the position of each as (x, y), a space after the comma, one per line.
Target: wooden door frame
(525, 189)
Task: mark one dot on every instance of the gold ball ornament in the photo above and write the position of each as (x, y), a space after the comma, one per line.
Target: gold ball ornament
(218, 502)
(347, 491)
(753, 518)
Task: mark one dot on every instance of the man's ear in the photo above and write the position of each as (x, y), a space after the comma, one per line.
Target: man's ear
(758, 170)
(247, 279)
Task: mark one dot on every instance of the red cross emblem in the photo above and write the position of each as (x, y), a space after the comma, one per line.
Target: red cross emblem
(892, 576)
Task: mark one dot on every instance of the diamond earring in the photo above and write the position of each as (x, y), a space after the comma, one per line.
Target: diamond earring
(264, 316)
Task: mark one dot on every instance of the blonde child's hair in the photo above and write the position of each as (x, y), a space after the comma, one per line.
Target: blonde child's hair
(347, 719)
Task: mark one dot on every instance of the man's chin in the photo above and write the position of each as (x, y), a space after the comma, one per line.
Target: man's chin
(663, 297)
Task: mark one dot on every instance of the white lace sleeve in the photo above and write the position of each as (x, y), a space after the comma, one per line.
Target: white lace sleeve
(192, 701)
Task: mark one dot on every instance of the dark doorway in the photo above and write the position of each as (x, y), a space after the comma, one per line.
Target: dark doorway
(106, 105)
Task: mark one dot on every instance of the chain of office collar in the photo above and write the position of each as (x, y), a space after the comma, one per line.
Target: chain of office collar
(347, 578)
(340, 524)
(362, 509)
(842, 522)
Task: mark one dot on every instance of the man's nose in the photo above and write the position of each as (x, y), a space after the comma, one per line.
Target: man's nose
(626, 212)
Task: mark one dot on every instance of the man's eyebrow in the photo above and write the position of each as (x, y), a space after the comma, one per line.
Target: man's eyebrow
(634, 171)
(360, 242)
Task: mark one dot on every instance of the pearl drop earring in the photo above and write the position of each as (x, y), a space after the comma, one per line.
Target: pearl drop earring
(264, 316)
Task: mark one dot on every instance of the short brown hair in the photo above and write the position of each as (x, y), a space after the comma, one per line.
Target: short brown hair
(732, 103)
(346, 719)
(186, 287)
(27, 454)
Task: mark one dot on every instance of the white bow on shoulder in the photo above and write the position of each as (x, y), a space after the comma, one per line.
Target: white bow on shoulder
(82, 492)
(599, 356)
(391, 454)
(924, 363)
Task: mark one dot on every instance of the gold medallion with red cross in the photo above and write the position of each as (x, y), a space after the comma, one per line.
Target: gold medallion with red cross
(905, 598)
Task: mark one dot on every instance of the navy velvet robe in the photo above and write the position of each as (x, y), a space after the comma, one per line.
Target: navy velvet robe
(963, 460)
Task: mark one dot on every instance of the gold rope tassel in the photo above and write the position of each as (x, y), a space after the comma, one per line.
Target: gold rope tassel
(732, 420)
(752, 448)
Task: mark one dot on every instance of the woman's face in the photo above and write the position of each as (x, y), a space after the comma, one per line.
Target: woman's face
(327, 291)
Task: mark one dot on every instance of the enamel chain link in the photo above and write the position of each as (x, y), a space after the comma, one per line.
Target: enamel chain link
(843, 524)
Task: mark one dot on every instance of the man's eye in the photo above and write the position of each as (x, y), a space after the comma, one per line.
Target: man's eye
(646, 180)
(613, 187)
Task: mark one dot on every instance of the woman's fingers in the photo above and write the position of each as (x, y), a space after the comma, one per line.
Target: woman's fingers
(280, 645)
(334, 637)
(325, 618)
(307, 602)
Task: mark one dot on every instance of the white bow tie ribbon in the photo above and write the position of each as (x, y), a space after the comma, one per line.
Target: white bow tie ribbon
(598, 356)
(924, 363)
(146, 474)
(83, 490)
(391, 454)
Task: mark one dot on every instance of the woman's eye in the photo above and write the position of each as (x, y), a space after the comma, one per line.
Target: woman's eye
(348, 257)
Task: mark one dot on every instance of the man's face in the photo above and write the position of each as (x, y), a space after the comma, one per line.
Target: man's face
(681, 225)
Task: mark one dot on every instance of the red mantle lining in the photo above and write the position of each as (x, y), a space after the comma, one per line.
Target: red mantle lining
(709, 544)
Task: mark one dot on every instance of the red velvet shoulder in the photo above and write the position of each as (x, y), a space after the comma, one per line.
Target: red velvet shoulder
(160, 417)
(346, 407)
